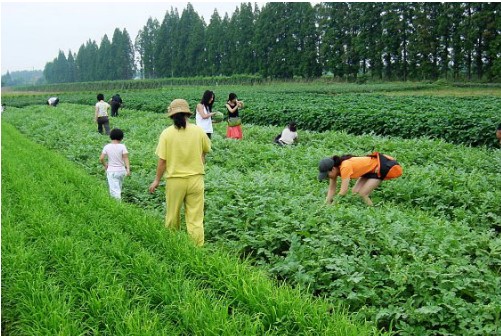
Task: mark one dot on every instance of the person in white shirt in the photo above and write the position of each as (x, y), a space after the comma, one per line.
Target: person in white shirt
(53, 101)
(101, 116)
(118, 165)
(204, 113)
(288, 135)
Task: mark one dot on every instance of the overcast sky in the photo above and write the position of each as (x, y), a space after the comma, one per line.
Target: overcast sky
(34, 32)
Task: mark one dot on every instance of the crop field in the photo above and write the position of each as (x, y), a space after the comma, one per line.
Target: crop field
(425, 260)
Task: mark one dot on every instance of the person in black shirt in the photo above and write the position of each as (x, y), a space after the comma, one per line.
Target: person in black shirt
(116, 103)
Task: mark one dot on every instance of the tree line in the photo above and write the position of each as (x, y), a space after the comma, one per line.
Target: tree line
(349, 41)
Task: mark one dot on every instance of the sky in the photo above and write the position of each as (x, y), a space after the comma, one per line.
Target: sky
(32, 33)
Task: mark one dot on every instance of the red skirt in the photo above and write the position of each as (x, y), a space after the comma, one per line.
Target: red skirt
(234, 132)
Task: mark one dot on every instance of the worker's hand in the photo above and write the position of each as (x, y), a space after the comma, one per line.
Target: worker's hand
(153, 186)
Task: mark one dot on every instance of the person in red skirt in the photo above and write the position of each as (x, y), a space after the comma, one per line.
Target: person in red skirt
(234, 129)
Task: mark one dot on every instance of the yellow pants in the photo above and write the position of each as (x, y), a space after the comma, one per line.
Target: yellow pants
(190, 192)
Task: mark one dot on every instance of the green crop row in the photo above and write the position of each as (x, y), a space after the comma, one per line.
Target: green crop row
(237, 80)
(75, 262)
(425, 259)
(470, 120)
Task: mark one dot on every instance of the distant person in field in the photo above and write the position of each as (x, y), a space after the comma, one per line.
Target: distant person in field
(369, 171)
(53, 101)
(118, 165)
(101, 116)
(204, 114)
(498, 133)
(181, 154)
(115, 102)
(234, 129)
(288, 135)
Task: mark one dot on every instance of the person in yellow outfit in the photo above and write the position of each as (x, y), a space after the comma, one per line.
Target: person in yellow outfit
(181, 154)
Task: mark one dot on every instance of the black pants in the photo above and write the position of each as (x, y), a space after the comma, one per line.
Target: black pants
(114, 108)
(103, 121)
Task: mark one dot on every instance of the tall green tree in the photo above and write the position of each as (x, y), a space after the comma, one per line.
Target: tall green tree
(167, 45)
(145, 47)
(6, 79)
(304, 40)
(72, 68)
(456, 12)
(86, 61)
(190, 56)
(241, 35)
(284, 48)
(227, 48)
(332, 17)
(215, 39)
(486, 47)
(105, 64)
(122, 53)
(61, 68)
(391, 40)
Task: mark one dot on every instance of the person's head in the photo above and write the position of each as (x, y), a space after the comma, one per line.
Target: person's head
(292, 126)
(100, 97)
(116, 134)
(330, 167)
(179, 111)
(232, 97)
(208, 99)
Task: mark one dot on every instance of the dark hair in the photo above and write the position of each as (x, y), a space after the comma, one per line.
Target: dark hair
(180, 119)
(339, 159)
(100, 96)
(232, 96)
(206, 99)
(116, 134)
(292, 126)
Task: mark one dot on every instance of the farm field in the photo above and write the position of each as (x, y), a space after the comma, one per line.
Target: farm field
(426, 260)
(76, 262)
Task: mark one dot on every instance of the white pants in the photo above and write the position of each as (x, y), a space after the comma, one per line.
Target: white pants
(115, 181)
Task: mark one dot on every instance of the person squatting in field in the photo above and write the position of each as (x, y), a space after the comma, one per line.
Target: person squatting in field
(369, 171)
(118, 165)
(53, 101)
(288, 135)
(101, 115)
(234, 129)
(498, 133)
(204, 114)
(181, 154)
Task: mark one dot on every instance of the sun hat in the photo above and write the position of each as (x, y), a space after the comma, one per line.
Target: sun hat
(324, 167)
(178, 106)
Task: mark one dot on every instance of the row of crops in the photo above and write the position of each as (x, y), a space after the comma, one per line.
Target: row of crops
(75, 262)
(355, 109)
(425, 260)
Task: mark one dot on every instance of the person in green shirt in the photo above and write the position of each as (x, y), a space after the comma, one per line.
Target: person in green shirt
(181, 154)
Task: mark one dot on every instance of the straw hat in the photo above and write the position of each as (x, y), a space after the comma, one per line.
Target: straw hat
(178, 106)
